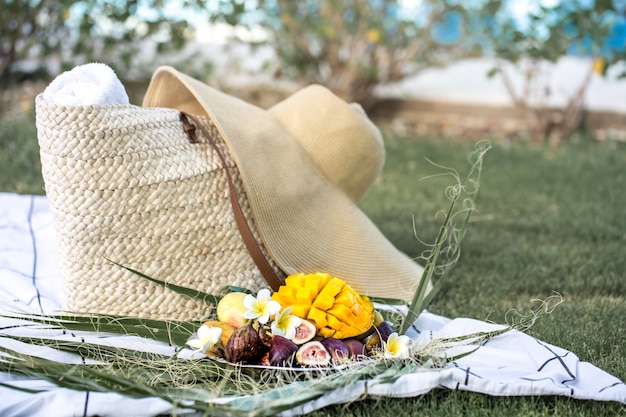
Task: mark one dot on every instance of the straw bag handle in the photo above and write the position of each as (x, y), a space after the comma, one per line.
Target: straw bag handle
(244, 228)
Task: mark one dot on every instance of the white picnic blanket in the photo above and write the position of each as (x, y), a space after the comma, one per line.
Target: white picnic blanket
(513, 364)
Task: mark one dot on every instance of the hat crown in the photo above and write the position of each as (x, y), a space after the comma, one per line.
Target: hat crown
(340, 139)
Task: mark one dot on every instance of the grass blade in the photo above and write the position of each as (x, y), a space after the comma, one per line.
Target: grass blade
(449, 238)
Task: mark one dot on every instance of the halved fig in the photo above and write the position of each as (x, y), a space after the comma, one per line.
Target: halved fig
(304, 332)
(313, 353)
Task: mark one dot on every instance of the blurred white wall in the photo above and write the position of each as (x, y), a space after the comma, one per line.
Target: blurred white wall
(467, 82)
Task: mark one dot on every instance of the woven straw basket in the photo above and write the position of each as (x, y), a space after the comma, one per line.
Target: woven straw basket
(126, 185)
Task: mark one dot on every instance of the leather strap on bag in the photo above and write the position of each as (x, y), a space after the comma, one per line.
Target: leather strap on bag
(244, 228)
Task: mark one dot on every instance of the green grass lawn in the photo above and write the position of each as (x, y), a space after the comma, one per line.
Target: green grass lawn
(548, 220)
(20, 169)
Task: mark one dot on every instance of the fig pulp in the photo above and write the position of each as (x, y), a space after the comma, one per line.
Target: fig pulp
(282, 351)
(304, 332)
(313, 354)
(245, 345)
(338, 351)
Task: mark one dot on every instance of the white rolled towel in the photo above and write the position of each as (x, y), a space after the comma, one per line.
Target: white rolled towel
(88, 84)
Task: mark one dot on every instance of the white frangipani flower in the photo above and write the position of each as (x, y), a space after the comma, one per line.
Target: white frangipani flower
(206, 338)
(260, 307)
(396, 346)
(285, 324)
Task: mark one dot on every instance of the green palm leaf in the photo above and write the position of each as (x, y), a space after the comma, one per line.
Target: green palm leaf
(167, 331)
(188, 292)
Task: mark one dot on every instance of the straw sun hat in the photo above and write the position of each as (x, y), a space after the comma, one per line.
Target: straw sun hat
(304, 163)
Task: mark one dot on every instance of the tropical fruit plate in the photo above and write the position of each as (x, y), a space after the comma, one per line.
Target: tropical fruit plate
(313, 321)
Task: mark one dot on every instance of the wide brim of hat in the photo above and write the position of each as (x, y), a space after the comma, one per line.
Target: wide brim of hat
(305, 222)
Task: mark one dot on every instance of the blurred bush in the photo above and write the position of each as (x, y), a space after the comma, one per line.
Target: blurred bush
(351, 46)
(40, 38)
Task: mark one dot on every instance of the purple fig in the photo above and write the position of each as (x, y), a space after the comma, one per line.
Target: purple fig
(376, 340)
(356, 348)
(245, 345)
(304, 332)
(338, 351)
(313, 353)
(282, 351)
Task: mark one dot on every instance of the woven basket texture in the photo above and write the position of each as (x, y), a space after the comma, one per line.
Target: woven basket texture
(125, 185)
